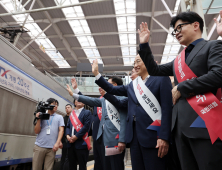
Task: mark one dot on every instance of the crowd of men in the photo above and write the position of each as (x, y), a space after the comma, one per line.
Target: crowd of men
(165, 128)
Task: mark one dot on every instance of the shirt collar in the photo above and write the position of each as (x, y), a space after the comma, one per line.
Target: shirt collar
(79, 109)
(197, 41)
(146, 78)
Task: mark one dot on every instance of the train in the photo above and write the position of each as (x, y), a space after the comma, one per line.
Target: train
(22, 86)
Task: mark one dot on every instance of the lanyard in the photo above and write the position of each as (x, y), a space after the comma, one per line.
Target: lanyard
(50, 122)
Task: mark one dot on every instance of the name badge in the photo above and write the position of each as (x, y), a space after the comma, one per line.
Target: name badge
(48, 131)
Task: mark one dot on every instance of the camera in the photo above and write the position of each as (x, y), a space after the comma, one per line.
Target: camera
(41, 109)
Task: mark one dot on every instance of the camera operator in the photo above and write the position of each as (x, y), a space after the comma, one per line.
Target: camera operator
(48, 140)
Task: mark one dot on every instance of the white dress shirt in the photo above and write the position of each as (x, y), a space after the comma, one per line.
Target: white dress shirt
(77, 114)
(99, 75)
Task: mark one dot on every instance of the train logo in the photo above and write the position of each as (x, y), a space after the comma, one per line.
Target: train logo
(4, 73)
(2, 147)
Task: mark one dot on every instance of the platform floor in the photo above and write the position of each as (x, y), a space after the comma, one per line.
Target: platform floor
(90, 166)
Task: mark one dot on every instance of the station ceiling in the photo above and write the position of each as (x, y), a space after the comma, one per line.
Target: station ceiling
(99, 29)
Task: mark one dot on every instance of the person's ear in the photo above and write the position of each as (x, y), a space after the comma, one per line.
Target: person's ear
(196, 26)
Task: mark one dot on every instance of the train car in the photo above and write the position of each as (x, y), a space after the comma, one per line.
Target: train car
(21, 87)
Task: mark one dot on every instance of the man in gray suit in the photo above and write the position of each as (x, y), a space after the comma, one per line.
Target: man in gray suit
(203, 61)
(112, 126)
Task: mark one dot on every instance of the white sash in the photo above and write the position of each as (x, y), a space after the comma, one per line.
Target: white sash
(146, 99)
(113, 115)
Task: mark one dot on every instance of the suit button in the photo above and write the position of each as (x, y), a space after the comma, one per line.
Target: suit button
(137, 105)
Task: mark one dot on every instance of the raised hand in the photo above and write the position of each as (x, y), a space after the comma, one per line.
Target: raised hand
(95, 69)
(219, 24)
(102, 92)
(69, 90)
(144, 33)
(74, 83)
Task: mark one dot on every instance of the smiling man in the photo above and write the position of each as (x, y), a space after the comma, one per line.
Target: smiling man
(149, 115)
(134, 74)
(197, 72)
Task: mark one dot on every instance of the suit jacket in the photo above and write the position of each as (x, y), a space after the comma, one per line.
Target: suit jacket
(161, 88)
(84, 117)
(109, 131)
(94, 123)
(205, 60)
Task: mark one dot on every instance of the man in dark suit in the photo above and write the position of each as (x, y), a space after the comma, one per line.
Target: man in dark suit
(147, 148)
(77, 149)
(93, 130)
(64, 139)
(111, 132)
(204, 59)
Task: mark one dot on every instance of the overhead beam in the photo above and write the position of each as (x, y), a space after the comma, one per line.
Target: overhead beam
(197, 7)
(105, 57)
(167, 8)
(56, 20)
(105, 66)
(213, 28)
(59, 33)
(217, 7)
(151, 21)
(33, 56)
(36, 37)
(209, 6)
(102, 47)
(93, 34)
(124, 72)
(50, 8)
(26, 17)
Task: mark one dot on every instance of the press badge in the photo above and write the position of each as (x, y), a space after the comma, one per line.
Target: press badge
(48, 131)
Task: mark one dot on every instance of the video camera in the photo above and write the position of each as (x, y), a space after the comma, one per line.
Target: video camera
(41, 108)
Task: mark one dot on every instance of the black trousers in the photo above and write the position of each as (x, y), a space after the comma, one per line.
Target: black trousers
(145, 158)
(77, 156)
(115, 162)
(198, 154)
(64, 155)
(98, 156)
(173, 162)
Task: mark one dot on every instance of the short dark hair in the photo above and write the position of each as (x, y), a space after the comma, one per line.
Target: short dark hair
(69, 105)
(52, 100)
(74, 102)
(116, 80)
(188, 17)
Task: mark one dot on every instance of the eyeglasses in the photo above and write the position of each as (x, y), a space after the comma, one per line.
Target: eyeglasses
(179, 28)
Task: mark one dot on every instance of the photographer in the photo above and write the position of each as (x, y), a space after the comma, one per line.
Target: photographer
(48, 140)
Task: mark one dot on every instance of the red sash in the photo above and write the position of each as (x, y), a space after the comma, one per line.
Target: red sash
(99, 111)
(78, 125)
(207, 106)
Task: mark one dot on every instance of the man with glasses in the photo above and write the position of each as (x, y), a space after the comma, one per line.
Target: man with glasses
(149, 115)
(197, 72)
(48, 139)
(111, 131)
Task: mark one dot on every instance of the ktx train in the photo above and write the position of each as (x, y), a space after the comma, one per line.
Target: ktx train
(21, 87)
